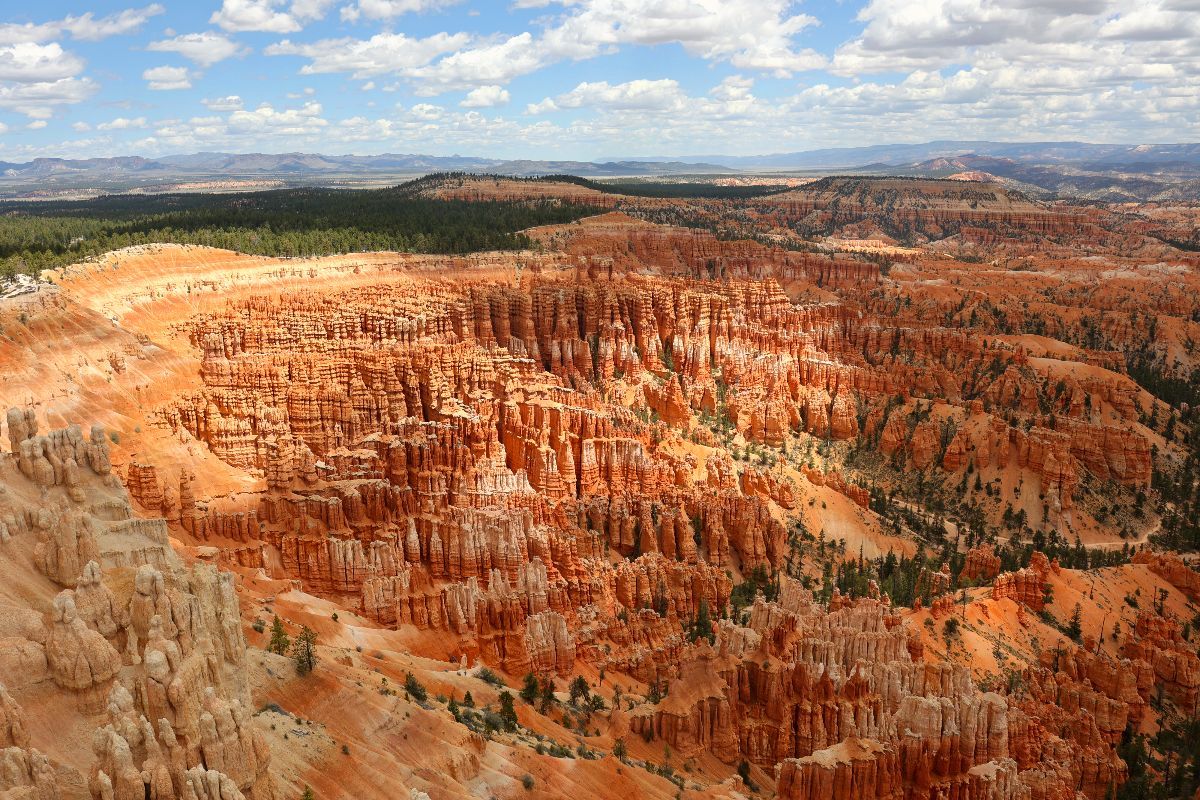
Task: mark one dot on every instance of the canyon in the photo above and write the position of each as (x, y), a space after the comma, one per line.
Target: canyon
(797, 485)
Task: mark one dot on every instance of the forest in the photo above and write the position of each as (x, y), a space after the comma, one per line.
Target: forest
(284, 223)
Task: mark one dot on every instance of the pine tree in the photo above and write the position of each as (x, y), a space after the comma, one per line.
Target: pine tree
(416, 691)
(1074, 627)
(579, 689)
(468, 700)
(308, 794)
(702, 628)
(280, 641)
(529, 691)
(507, 712)
(547, 695)
(304, 651)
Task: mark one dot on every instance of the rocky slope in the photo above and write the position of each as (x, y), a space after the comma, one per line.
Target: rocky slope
(779, 509)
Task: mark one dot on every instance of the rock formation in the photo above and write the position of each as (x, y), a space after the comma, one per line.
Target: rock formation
(166, 659)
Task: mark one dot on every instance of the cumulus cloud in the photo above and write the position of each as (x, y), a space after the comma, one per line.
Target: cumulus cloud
(1153, 23)
(269, 16)
(122, 124)
(485, 64)
(1052, 65)
(39, 99)
(205, 49)
(387, 9)
(228, 103)
(486, 97)
(86, 27)
(914, 69)
(266, 119)
(167, 78)
(904, 36)
(661, 103)
(28, 62)
(637, 95)
(381, 54)
(37, 78)
(90, 28)
(750, 34)
(37, 75)
(755, 35)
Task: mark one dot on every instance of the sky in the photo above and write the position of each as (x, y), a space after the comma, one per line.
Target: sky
(589, 79)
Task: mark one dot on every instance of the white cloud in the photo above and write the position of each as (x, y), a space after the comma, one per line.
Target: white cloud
(28, 62)
(269, 16)
(637, 95)
(37, 125)
(91, 29)
(82, 127)
(286, 122)
(386, 9)
(122, 124)
(918, 69)
(38, 100)
(36, 78)
(1148, 22)
(86, 27)
(310, 9)
(204, 49)
(254, 15)
(18, 33)
(228, 103)
(545, 106)
(486, 97)
(381, 54)
(485, 64)
(750, 34)
(662, 102)
(168, 78)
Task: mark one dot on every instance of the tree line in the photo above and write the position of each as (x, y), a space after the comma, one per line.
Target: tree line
(284, 223)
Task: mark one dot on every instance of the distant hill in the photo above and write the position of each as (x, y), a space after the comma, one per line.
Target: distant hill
(52, 177)
(1111, 172)
(1107, 172)
(897, 154)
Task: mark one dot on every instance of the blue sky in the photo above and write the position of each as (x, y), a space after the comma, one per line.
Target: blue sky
(589, 78)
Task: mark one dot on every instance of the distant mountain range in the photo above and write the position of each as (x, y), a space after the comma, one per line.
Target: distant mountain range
(293, 166)
(1111, 172)
(897, 154)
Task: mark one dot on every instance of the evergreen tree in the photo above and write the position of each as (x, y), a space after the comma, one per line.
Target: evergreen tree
(702, 628)
(547, 695)
(579, 689)
(507, 712)
(1074, 627)
(304, 651)
(416, 690)
(280, 641)
(529, 691)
